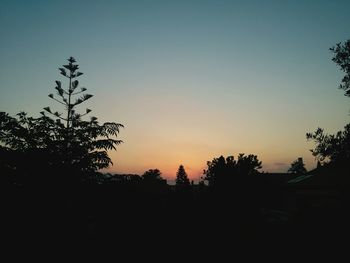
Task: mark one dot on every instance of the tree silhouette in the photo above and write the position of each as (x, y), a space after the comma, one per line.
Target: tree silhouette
(152, 175)
(342, 58)
(28, 143)
(66, 95)
(297, 167)
(87, 141)
(71, 147)
(219, 170)
(335, 148)
(248, 165)
(222, 170)
(182, 180)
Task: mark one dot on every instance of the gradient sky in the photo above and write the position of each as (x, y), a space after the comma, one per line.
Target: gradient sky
(190, 80)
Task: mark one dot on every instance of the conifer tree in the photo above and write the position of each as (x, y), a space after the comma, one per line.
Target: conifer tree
(87, 142)
(182, 178)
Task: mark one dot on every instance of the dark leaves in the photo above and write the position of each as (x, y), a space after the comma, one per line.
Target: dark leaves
(87, 96)
(60, 91)
(342, 59)
(63, 72)
(71, 60)
(111, 128)
(48, 109)
(78, 101)
(75, 84)
(106, 144)
(76, 143)
(72, 68)
(57, 114)
(100, 159)
(82, 99)
(331, 147)
(222, 171)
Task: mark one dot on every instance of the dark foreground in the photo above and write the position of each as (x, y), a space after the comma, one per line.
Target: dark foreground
(162, 219)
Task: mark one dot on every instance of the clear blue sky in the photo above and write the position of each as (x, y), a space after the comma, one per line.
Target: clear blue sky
(190, 80)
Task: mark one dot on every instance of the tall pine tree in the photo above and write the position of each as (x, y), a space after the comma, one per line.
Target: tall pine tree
(182, 178)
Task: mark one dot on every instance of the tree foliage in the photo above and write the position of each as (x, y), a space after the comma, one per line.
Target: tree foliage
(333, 148)
(297, 167)
(182, 178)
(222, 170)
(342, 59)
(56, 143)
(152, 175)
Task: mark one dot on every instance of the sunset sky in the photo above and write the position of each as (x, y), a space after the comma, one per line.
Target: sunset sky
(190, 80)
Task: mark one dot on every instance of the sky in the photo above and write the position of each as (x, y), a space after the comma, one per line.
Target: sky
(190, 80)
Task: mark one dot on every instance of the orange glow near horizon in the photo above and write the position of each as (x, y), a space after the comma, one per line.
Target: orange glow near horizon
(195, 161)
